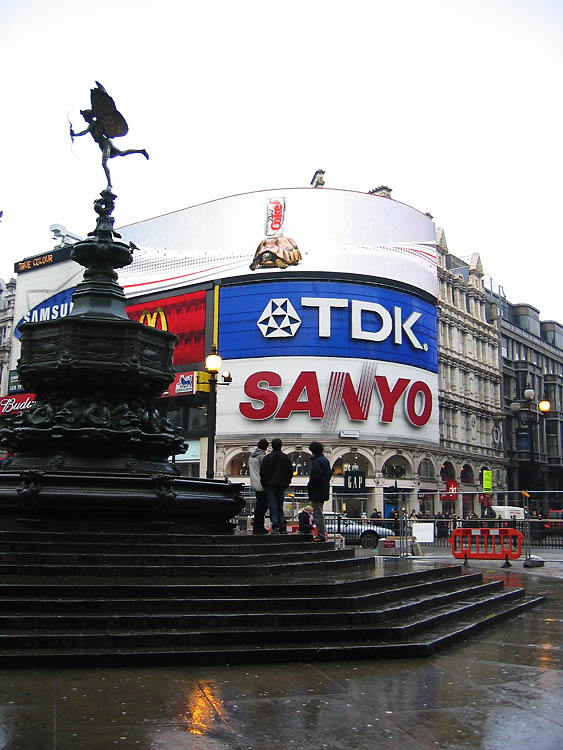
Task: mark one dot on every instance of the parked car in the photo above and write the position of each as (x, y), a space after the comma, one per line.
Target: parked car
(366, 532)
(553, 522)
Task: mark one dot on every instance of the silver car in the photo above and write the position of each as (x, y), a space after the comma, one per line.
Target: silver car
(356, 530)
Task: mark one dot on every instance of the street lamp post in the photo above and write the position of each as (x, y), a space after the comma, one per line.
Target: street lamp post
(213, 364)
(530, 421)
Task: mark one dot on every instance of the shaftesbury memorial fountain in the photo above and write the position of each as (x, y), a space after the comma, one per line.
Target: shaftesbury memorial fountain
(93, 449)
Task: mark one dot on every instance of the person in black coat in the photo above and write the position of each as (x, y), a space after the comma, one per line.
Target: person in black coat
(276, 473)
(318, 487)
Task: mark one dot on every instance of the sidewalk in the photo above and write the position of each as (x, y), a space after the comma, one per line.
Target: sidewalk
(552, 568)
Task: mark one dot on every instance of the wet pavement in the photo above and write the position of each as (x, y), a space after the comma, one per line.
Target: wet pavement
(501, 689)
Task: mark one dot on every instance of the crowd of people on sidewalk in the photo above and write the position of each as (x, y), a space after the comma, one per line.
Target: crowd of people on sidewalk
(271, 474)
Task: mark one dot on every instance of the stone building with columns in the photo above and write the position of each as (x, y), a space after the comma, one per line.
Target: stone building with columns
(471, 424)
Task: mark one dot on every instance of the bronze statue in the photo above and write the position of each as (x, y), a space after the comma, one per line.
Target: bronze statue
(105, 122)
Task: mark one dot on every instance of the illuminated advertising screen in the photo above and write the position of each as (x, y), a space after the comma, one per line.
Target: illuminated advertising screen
(16, 403)
(328, 319)
(322, 396)
(57, 306)
(183, 315)
(329, 357)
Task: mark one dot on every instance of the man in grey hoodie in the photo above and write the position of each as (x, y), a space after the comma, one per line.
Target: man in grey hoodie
(254, 463)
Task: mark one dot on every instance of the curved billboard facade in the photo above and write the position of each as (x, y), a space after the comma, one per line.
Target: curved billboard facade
(295, 231)
(326, 309)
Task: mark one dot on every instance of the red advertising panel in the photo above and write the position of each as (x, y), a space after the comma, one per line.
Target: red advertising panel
(16, 403)
(183, 315)
(451, 490)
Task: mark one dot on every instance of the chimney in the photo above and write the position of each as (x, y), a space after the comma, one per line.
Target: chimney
(318, 178)
(383, 191)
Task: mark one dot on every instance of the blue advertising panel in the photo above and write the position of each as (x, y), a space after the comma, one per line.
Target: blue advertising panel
(52, 308)
(306, 318)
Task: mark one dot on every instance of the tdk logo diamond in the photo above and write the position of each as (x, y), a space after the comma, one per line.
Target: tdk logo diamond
(279, 319)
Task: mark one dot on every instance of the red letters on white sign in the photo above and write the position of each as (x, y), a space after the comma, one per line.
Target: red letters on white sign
(304, 396)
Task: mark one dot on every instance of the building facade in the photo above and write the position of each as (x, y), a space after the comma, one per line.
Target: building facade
(532, 366)
(341, 316)
(7, 299)
(471, 424)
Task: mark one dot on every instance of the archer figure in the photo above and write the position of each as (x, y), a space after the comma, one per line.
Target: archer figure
(104, 123)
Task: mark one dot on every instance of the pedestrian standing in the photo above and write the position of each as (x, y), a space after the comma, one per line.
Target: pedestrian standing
(318, 487)
(276, 473)
(254, 463)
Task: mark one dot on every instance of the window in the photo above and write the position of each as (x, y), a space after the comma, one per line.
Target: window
(187, 413)
(301, 463)
(467, 476)
(396, 467)
(447, 472)
(197, 418)
(426, 469)
(238, 466)
(350, 462)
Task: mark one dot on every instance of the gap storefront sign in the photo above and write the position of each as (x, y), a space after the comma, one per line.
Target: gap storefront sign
(313, 357)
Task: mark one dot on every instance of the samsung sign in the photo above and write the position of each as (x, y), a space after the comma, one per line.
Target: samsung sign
(52, 308)
(330, 319)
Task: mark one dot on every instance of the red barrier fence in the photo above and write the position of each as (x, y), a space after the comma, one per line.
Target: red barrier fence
(487, 544)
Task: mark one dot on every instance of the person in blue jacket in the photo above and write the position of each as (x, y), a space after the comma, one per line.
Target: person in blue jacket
(318, 487)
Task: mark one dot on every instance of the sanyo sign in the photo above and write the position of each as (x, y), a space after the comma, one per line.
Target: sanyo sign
(321, 395)
(328, 319)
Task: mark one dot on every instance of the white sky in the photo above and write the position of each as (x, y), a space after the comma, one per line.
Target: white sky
(455, 104)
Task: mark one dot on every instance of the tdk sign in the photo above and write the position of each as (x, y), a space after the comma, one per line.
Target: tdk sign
(280, 319)
(330, 319)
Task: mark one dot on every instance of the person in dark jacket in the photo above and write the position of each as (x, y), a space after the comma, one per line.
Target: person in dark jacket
(318, 487)
(276, 473)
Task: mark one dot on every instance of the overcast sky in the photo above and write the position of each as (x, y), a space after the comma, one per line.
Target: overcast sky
(455, 104)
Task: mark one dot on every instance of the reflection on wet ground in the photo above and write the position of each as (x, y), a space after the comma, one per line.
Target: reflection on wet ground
(502, 689)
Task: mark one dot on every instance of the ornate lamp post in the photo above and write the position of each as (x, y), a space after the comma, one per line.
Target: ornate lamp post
(213, 363)
(530, 420)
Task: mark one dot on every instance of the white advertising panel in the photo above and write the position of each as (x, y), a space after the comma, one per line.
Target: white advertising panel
(320, 396)
(295, 230)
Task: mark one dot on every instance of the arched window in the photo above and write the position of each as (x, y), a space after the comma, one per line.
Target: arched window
(447, 472)
(350, 462)
(301, 463)
(467, 476)
(396, 467)
(238, 466)
(426, 469)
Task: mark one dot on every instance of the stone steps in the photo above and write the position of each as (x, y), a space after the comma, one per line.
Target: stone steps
(296, 651)
(166, 608)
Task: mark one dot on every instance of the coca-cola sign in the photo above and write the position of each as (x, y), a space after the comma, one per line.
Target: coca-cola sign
(275, 210)
(16, 403)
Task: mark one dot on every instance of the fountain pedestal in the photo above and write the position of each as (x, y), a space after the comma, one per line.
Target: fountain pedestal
(93, 448)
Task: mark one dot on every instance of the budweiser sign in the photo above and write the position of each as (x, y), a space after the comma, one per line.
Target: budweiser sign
(275, 212)
(16, 403)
